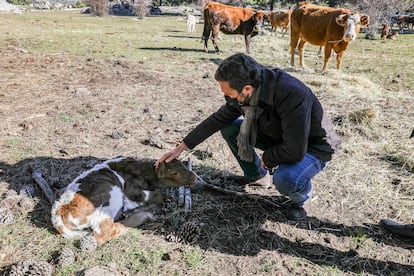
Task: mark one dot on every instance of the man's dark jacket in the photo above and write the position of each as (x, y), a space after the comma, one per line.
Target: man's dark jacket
(293, 121)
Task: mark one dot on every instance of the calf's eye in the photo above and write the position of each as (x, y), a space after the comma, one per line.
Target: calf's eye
(173, 173)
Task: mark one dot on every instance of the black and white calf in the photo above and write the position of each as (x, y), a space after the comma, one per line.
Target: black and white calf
(96, 199)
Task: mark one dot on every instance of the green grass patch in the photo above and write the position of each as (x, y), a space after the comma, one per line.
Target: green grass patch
(193, 257)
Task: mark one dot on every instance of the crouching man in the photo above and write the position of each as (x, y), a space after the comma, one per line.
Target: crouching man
(281, 116)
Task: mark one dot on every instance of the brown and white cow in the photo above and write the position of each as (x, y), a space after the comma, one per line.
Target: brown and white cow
(406, 21)
(279, 19)
(392, 36)
(114, 195)
(230, 20)
(333, 28)
(385, 31)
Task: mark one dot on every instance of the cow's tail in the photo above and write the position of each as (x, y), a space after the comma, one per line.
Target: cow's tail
(207, 29)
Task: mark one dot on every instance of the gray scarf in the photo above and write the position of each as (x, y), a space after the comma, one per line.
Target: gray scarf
(248, 129)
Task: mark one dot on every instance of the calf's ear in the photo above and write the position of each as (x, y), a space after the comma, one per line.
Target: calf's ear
(161, 170)
(364, 20)
(341, 19)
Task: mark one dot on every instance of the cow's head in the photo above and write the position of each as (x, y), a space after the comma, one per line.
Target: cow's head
(259, 18)
(266, 16)
(351, 23)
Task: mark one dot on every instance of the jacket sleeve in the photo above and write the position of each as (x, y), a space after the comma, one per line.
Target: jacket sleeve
(216, 121)
(294, 106)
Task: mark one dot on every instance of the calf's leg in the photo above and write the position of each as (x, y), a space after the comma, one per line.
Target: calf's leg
(135, 219)
(108, 230)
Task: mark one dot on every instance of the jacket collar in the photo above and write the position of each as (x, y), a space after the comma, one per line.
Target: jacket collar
(269, 84)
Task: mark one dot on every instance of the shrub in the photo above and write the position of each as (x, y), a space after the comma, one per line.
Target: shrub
(19, 2)
(141, 8)
(79, 4)
(99, 7)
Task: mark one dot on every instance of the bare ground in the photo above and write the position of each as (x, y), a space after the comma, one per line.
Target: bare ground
(65, 114)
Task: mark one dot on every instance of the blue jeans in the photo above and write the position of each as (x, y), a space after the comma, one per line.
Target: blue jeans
(294, 180)
(291, 180)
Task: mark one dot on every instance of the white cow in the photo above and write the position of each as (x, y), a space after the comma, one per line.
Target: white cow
(192, 20)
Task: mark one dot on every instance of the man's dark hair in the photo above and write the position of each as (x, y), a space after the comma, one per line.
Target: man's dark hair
(239, 70)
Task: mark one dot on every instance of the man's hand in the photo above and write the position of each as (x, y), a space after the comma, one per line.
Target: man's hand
(262, 164)
(171, 155)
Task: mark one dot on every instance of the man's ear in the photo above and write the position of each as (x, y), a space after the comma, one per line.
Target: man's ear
(249, 89)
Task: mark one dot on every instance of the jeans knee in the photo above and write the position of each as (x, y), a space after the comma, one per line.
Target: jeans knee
(284, 182)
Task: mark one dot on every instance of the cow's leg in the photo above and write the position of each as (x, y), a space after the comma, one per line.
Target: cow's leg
(284, 30)
(319, 51)
(206, 34)
(247, 38)
(215, 32)
(401, 28)
(301, 48)
(294, 38)
(328, 51)
(214, 40)
(108, 230)
(339, 57)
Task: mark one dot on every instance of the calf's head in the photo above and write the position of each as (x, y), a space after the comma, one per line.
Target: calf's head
(143, 173)
(352, 23)
(175, 174)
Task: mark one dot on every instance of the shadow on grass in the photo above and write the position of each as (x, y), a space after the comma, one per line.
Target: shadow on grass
(179, 49)
(186, 36)
(241, 226)
(58, 173)
(171, 49)
(231, 224)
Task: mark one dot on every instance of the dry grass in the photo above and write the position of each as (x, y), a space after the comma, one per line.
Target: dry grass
(137, 71)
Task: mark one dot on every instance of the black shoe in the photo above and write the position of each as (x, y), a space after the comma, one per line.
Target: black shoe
(406, 230)
(296, 213)
(242, 180)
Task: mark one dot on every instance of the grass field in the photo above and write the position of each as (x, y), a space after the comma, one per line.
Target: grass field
(128, 65)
